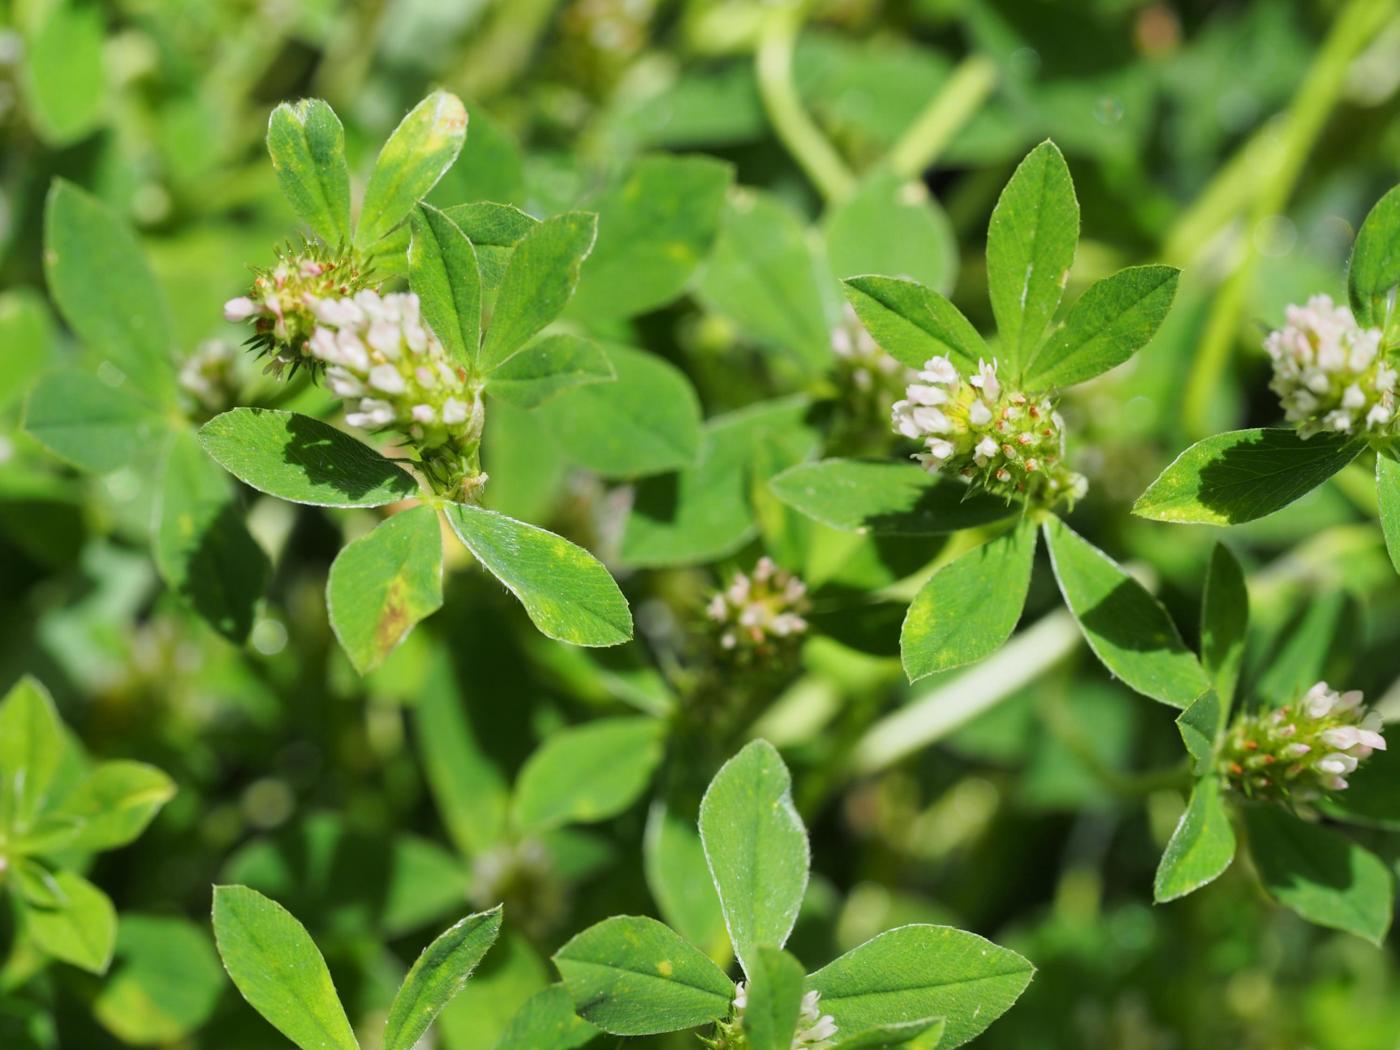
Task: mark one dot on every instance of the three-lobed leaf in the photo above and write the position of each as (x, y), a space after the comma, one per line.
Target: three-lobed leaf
(300, 459)
(918, 972)
(632, 975)
(383, 584)
(278, 969)
(307, 145)
(566, 592)
(439, 973)
(756, 848)
(969, 607)
(113, 804)
(1127, 628)
(1241, 475)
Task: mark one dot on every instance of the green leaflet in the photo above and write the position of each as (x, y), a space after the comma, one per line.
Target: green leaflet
(383, 584)
(763, 276)
(112, 805)
(89, 423)
(646, 421)
(774, 993)
(913, 973)
(1030, 248)
(1127, 628)
(587, 774)
(98, 275)
(1319, 873)
(1375, 263)
(297, 458)
(679, 879)
(1107, 325)
(79, 926)
(705, 512)
(33, 749)
(914, 323)
(883, 497)
(1242, 475)
(307, 145)
(1388, 498)
(630, 975)
(443, 272)
(200, 543)
(550, 366)
(547, 1020)
(1224, 620)
(567, 593)
(279, 970)
(890, 225)
(26, 333)
(654, 228)
(421, 148)
(165, 984)
(541, 278)
(63, 74)
(1201, 847)
(756, 847)
(437, 976)
(968, 608)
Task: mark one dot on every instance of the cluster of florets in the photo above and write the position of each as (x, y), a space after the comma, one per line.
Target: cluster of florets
(1007, 442)
(815, 1030)
(394, 375)
(759, 612)
(209, 376)
(1330, 373)
(1301, 750)
(279, 303)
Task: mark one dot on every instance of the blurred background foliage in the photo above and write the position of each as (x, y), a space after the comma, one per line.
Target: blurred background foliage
(1242, 141)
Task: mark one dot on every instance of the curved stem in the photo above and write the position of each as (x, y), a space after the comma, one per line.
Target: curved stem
(1354, 28)
(794, 127)
(943, 117)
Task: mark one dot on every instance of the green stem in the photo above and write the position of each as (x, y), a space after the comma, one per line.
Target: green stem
(794, 127)
(499, 53)
(944, 116)
(1359, 21)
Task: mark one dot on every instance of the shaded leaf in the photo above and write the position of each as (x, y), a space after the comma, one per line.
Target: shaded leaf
(1242, 475)
(885, 498)
(297, 458)
(80, 928)
(550, 366)
(587, 773)
(1375, 263)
